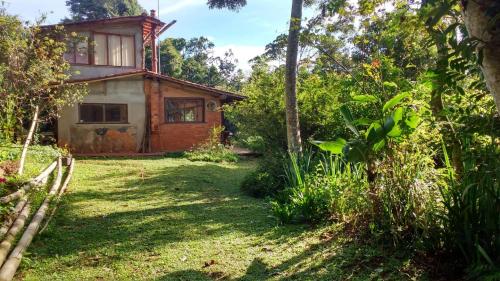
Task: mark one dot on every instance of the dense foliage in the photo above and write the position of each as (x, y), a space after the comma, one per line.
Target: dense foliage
(395, 106)
(101, 9)
(403, 132)
(32, 75)
(193, 60)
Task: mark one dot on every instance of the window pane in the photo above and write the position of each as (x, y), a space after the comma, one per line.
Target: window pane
(100, 52)
(69, 56)
(116, 113)
(82, 52)
(128, 51)
(174, 111)
(183, 110)
(114, 50)
(193, 110)
(91, 113)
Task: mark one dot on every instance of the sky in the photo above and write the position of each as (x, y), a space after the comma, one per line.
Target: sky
(246, 32)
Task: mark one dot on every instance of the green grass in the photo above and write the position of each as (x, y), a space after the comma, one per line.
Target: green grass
(38, 157)
(163, 219)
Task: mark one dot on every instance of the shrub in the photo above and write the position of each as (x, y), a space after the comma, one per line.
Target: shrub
(253, 143)
(321, 188)
(472, 224)
(8, 168)
(407, 186)
(212, 150)
(268, 179)
(9, 152)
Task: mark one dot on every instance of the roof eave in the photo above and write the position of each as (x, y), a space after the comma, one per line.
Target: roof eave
(150, 74)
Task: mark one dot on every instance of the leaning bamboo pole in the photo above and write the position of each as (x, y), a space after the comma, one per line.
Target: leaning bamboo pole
(28, 141)
(61, 192)
(10, 266)
(34, 182)
(12, 217)
(44, 175)
(13, 231)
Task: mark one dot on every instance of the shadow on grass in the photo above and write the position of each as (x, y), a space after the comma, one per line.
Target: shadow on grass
(131, 207)
(152, 206)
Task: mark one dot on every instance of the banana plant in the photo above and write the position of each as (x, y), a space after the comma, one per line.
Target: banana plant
(397, 121)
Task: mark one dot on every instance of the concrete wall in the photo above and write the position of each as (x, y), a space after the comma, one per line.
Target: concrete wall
(172, 137)
(92, 71)
(107, 138)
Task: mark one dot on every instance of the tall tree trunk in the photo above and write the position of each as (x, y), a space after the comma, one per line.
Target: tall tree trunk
(478, 15)
(28, 141)
(292, 111)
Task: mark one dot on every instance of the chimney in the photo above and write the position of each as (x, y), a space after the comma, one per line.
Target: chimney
(153, 13)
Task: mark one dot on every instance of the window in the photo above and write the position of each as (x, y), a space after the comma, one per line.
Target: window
(180, 110)
(115, 50)
(78, 51)
(103, 113)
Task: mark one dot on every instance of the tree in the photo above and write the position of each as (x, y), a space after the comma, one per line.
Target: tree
(171, 59)
(32, 75)
(194, 61)
(292, 113)
(482, 19)
(101, 9)
(481, 33)
(229, 4)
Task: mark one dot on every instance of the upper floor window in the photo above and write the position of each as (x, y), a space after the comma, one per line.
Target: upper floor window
(115, 50)
(77, 51)
(108, 49)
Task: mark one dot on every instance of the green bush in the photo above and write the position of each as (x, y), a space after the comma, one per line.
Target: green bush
(260, 118)
(320, 188)
(253, 143)
(408, 189)
(472, 224)
(268, 179)
(9, 152)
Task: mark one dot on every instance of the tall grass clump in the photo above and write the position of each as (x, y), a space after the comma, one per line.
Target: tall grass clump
(320, 187)
(472, 201)
(408, 190)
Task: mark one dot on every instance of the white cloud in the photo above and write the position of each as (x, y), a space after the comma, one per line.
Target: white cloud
(243, 53)
(179, 5)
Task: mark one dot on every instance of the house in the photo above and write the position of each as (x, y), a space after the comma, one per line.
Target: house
(130, 109)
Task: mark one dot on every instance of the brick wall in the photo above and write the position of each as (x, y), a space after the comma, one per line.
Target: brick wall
(170, 137)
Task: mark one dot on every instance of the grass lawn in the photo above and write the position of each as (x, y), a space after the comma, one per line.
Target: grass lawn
(172, 219)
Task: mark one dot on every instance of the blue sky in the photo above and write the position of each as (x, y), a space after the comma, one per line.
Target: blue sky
(245, 32)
